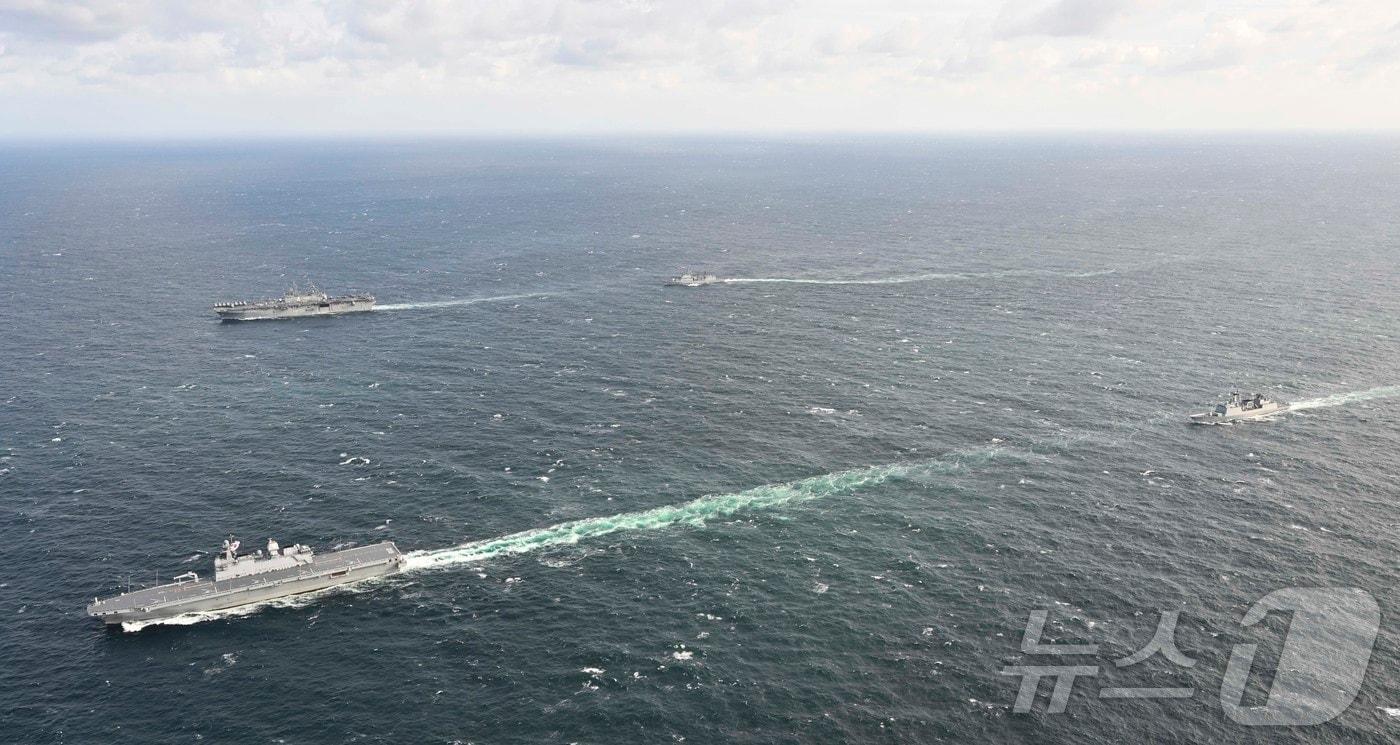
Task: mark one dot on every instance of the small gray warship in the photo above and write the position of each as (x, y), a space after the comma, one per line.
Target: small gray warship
(1237, 408)
(295, 304)
(250, 578)
(692, 279)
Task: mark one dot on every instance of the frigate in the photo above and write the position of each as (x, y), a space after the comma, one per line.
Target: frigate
(249, 578)
(295, 304)
(1240, 407)
(692, 279)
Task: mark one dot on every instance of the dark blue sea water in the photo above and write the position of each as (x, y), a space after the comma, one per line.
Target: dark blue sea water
(814, 504)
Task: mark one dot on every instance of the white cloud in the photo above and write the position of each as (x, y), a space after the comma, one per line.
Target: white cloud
(1117, 54)
(1060, 18)
(55, 20)
(512, 65)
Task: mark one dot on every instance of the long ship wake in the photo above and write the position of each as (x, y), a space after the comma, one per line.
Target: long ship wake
(930, 277)
(950, 276)
(695, 513)
(1340, 399)
(452, 303)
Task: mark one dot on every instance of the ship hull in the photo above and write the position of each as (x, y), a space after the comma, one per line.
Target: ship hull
(168, 601)
(1209, 418)
(273, 313)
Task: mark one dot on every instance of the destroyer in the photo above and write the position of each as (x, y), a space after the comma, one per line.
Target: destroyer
(1238, 408)
(692, 279)
(294, 304)
(251, 578)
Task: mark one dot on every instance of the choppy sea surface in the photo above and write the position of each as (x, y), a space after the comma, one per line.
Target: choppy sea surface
(943, 385)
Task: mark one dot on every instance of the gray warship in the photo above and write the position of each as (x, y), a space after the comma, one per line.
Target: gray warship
(692, 279)
(295, 304)
(250, 578)
(1240, 407)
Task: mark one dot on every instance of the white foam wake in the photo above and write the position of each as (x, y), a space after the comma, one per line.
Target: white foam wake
(884, 281)
(294, 601)
(451, 303)
(693, 513)
(930, 277)
(189, 619)
(947, 276)
(1339, 399)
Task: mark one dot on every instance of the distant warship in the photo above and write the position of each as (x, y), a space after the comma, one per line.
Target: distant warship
(294, 304)
(251, 578)
(1238, 407)
(692, 279)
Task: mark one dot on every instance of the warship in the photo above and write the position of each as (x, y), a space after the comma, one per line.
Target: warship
(692, 279)
(295, 304)
(1237, 408)
(250, 578)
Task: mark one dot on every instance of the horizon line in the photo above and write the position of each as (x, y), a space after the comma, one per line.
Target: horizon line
(408, 136)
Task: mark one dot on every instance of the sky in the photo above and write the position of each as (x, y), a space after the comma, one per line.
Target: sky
(150, 68)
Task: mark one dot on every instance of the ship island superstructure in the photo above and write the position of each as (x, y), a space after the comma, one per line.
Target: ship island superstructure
(295, 303)
(244, 579)
(693, 279)
(1240, 407)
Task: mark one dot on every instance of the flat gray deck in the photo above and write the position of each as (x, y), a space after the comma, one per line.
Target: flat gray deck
(350, 558)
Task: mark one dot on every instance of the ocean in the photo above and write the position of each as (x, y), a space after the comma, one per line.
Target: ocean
(943, 384)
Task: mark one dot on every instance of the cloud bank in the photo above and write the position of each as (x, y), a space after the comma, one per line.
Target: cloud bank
(148, 67)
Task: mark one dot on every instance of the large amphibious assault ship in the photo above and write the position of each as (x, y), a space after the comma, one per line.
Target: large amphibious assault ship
(692, 279)
(251, 578)
(294, 304)
(1247, 407)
